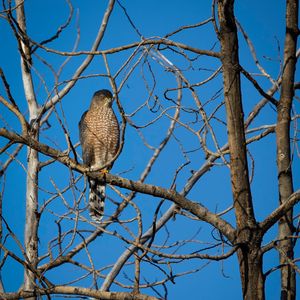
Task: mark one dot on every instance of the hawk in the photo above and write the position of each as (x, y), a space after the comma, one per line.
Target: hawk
(99, 137)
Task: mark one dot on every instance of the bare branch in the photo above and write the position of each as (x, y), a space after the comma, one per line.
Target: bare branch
(195, 208)
(259, 89)
(85, 63)
(79, 291)
(280, 211)
(149, 41)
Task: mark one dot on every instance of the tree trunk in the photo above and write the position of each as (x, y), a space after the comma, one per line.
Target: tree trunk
(250, 260)
(285, 180)
(235, 118)
(31, 224)
(253, 283)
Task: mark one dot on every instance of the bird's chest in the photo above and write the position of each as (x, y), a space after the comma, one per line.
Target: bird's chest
(103, 132)
(100, 123)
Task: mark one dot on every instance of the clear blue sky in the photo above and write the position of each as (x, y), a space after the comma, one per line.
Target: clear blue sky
(264, 23)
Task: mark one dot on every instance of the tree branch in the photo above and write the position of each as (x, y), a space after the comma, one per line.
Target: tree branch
(257, 86)
(85, 63)
(280, 211)
(150, 41)
(195, 208)
(73, 290)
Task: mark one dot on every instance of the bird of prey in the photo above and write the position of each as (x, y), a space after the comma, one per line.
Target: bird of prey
(99, 137)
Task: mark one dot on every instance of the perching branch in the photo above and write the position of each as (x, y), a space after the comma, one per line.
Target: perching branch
(79, 291)
(195, 208)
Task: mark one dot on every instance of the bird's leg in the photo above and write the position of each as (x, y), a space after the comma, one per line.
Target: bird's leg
(104, 171)
(102, 176)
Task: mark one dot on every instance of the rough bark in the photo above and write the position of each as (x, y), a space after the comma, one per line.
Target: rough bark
(235, 117)
(31, 224)
(248, 235)
(285, 180)
(77, 291)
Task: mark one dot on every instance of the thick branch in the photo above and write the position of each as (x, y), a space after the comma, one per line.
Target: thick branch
(31, 224)
(280, 211)
(285, 179)
(79, 291)
(251, 273)
(235, 116)
(195, 208)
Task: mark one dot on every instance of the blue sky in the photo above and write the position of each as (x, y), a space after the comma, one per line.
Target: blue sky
(264, 23)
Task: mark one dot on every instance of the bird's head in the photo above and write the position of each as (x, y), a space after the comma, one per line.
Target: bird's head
(102, 98)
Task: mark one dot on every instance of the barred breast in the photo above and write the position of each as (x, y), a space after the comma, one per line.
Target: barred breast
(104, 134)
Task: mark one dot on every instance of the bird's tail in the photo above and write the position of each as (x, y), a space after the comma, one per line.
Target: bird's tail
(96, 200)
